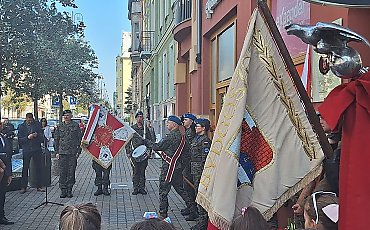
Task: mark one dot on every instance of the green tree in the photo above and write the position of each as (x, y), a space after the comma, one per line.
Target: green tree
(44, 50)
(128, 100)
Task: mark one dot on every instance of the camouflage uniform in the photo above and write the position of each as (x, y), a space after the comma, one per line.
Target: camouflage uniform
(102, 174)
(67, 143)
(199, 150)
(138, 168)
(169, 145)
(186, 154)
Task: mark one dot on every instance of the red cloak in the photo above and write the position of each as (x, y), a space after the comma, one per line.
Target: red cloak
(349, 105)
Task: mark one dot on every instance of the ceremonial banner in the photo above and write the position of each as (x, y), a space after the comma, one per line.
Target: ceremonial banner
(264, 149)
(105, 136)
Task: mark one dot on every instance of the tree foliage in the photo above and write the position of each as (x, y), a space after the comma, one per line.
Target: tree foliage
(42, 51)
(128, 101)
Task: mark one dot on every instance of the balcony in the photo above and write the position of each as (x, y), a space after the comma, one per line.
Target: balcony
(182, 11)
(134, 7)
(146, 45)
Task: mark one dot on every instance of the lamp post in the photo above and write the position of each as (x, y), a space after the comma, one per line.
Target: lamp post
(78, 21)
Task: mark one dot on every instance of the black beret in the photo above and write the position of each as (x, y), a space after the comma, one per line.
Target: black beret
(139, 113)
(67, 111)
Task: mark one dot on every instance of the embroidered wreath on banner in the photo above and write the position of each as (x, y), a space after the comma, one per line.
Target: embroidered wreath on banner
(104, 136)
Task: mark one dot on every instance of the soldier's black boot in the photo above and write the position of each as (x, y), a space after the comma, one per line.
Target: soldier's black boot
(105, 190)
(69, 193)
(163, 215)
(135, 192)
(142, 191)
(185, 211)
(63, 194)
(99, 191)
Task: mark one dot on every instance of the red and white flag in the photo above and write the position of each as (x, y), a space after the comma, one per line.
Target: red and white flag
(105, 136)
(264, 149)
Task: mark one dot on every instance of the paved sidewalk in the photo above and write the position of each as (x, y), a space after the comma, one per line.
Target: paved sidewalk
(118, 211)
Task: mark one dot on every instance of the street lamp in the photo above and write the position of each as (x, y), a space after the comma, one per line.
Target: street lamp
(78, 21)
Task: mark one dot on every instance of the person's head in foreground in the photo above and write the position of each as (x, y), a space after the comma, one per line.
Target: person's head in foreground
(152, 224)
(250, 219)
(80, 217)
(321, 211)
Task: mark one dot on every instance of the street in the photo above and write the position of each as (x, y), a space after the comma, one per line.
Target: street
(118, 211)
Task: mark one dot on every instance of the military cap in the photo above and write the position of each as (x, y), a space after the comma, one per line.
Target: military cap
(204, 123)
(175, 119)
(139, 113)
(190, 116)
(67, 111)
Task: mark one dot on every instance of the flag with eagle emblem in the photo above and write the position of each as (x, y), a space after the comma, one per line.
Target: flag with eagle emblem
(105, 136)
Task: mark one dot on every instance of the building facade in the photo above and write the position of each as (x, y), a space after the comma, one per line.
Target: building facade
(153, 73)
(123, 75)
(207, 38)
(211, 38)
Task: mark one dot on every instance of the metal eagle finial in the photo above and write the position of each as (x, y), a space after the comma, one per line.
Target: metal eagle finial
(332, 40)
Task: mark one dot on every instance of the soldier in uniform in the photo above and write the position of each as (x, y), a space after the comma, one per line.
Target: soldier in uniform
(101, 179)
(138, 168)
(199, 151)
(188, 123)
(67, 142)
(171, 171)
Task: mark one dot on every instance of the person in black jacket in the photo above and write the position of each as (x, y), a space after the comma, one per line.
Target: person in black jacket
(6, 166)
(8, 131)
(30, 136)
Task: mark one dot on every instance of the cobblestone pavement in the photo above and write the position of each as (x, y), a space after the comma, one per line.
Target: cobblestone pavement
(118, 211)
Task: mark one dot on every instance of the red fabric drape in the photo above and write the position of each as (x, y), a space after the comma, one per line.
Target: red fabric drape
(349, 105)
(211, 226)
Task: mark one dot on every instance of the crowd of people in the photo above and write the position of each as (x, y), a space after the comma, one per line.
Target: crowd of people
(183, 152)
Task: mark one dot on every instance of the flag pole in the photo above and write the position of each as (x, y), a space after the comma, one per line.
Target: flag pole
(310, 111)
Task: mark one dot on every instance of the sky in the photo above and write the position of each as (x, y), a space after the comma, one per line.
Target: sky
(105, 21)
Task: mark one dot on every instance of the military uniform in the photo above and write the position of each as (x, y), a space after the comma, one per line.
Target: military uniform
(138, 168)
(101, 178)
(186, 155)
(199, 150)
(169, 144)
(67, 143)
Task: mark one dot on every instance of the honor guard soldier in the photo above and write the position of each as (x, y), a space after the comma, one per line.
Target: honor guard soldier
(188, 123)
(171, 171)
(101, 179)
(138, 167)
(199, 150)
(67, 142)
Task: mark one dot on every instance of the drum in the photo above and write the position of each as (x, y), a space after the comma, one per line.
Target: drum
(141, 153)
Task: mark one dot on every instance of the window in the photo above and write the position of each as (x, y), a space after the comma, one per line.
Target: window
(171, 65)
(160, 82)
(226, 54)
(165, 76)
(136, 39)
(223, 62)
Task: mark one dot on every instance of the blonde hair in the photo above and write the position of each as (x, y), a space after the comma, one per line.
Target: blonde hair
(80, 217)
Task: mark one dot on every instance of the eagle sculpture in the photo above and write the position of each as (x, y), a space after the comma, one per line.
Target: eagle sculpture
(332, 40)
